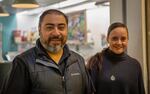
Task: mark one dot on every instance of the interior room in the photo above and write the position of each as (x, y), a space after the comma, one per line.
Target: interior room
(19, 27)
(96, 20)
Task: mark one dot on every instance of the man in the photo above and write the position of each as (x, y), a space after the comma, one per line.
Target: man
(49, 67)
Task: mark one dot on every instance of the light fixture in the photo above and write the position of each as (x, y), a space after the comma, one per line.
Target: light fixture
(25, 4)
(103, 3)
(3, 13)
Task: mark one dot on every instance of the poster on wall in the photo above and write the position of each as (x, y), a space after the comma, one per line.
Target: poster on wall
(77, 27)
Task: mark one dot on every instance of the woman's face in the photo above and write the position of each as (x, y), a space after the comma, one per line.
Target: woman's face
(118, 40)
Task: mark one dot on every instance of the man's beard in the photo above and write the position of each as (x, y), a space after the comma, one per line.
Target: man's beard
(53, 48)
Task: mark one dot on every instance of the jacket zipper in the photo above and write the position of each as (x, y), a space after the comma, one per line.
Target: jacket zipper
(64, 84)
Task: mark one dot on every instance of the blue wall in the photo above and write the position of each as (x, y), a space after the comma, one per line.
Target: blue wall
(9, 24)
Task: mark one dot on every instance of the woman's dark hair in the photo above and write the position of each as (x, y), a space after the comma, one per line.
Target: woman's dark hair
(116, 25)
(95, 61)
(51, 11)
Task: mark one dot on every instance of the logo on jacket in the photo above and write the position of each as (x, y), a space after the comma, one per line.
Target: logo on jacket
(75, 74)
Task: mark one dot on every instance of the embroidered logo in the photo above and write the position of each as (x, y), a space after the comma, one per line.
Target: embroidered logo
(75, 74)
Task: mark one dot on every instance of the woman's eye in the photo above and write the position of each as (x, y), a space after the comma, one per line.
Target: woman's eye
(123, 39)
(115, 38)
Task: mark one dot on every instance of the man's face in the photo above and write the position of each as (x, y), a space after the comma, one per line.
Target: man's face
(53, 32)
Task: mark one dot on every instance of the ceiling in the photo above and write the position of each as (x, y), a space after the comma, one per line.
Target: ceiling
(43, 3)
(7, 4)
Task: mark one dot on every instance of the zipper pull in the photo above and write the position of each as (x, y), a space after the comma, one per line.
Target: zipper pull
(63, 78)
(63, 81)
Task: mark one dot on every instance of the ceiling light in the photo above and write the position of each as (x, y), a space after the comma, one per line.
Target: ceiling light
(25, 4)
(103, 3)
(3, 12)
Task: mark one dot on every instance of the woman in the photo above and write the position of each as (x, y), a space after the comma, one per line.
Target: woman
(112, 70)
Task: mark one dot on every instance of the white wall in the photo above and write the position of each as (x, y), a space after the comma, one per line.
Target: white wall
(27, 22)
(98, 20)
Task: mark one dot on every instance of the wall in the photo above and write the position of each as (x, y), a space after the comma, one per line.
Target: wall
(27, 22)
(98, 20)
(116, 11)
(9, 24)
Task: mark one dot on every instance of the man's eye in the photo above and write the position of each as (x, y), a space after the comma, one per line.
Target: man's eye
(61, 28)
(49, 28)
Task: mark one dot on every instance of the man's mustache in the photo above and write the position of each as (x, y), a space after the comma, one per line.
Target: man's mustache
(55, 37)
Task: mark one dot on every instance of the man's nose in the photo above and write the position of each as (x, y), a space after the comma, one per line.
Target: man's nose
(56, 30)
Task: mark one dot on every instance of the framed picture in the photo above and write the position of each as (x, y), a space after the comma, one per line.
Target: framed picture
(77, 27)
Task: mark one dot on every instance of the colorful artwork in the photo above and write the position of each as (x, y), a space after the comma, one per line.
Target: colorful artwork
(77, 27)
